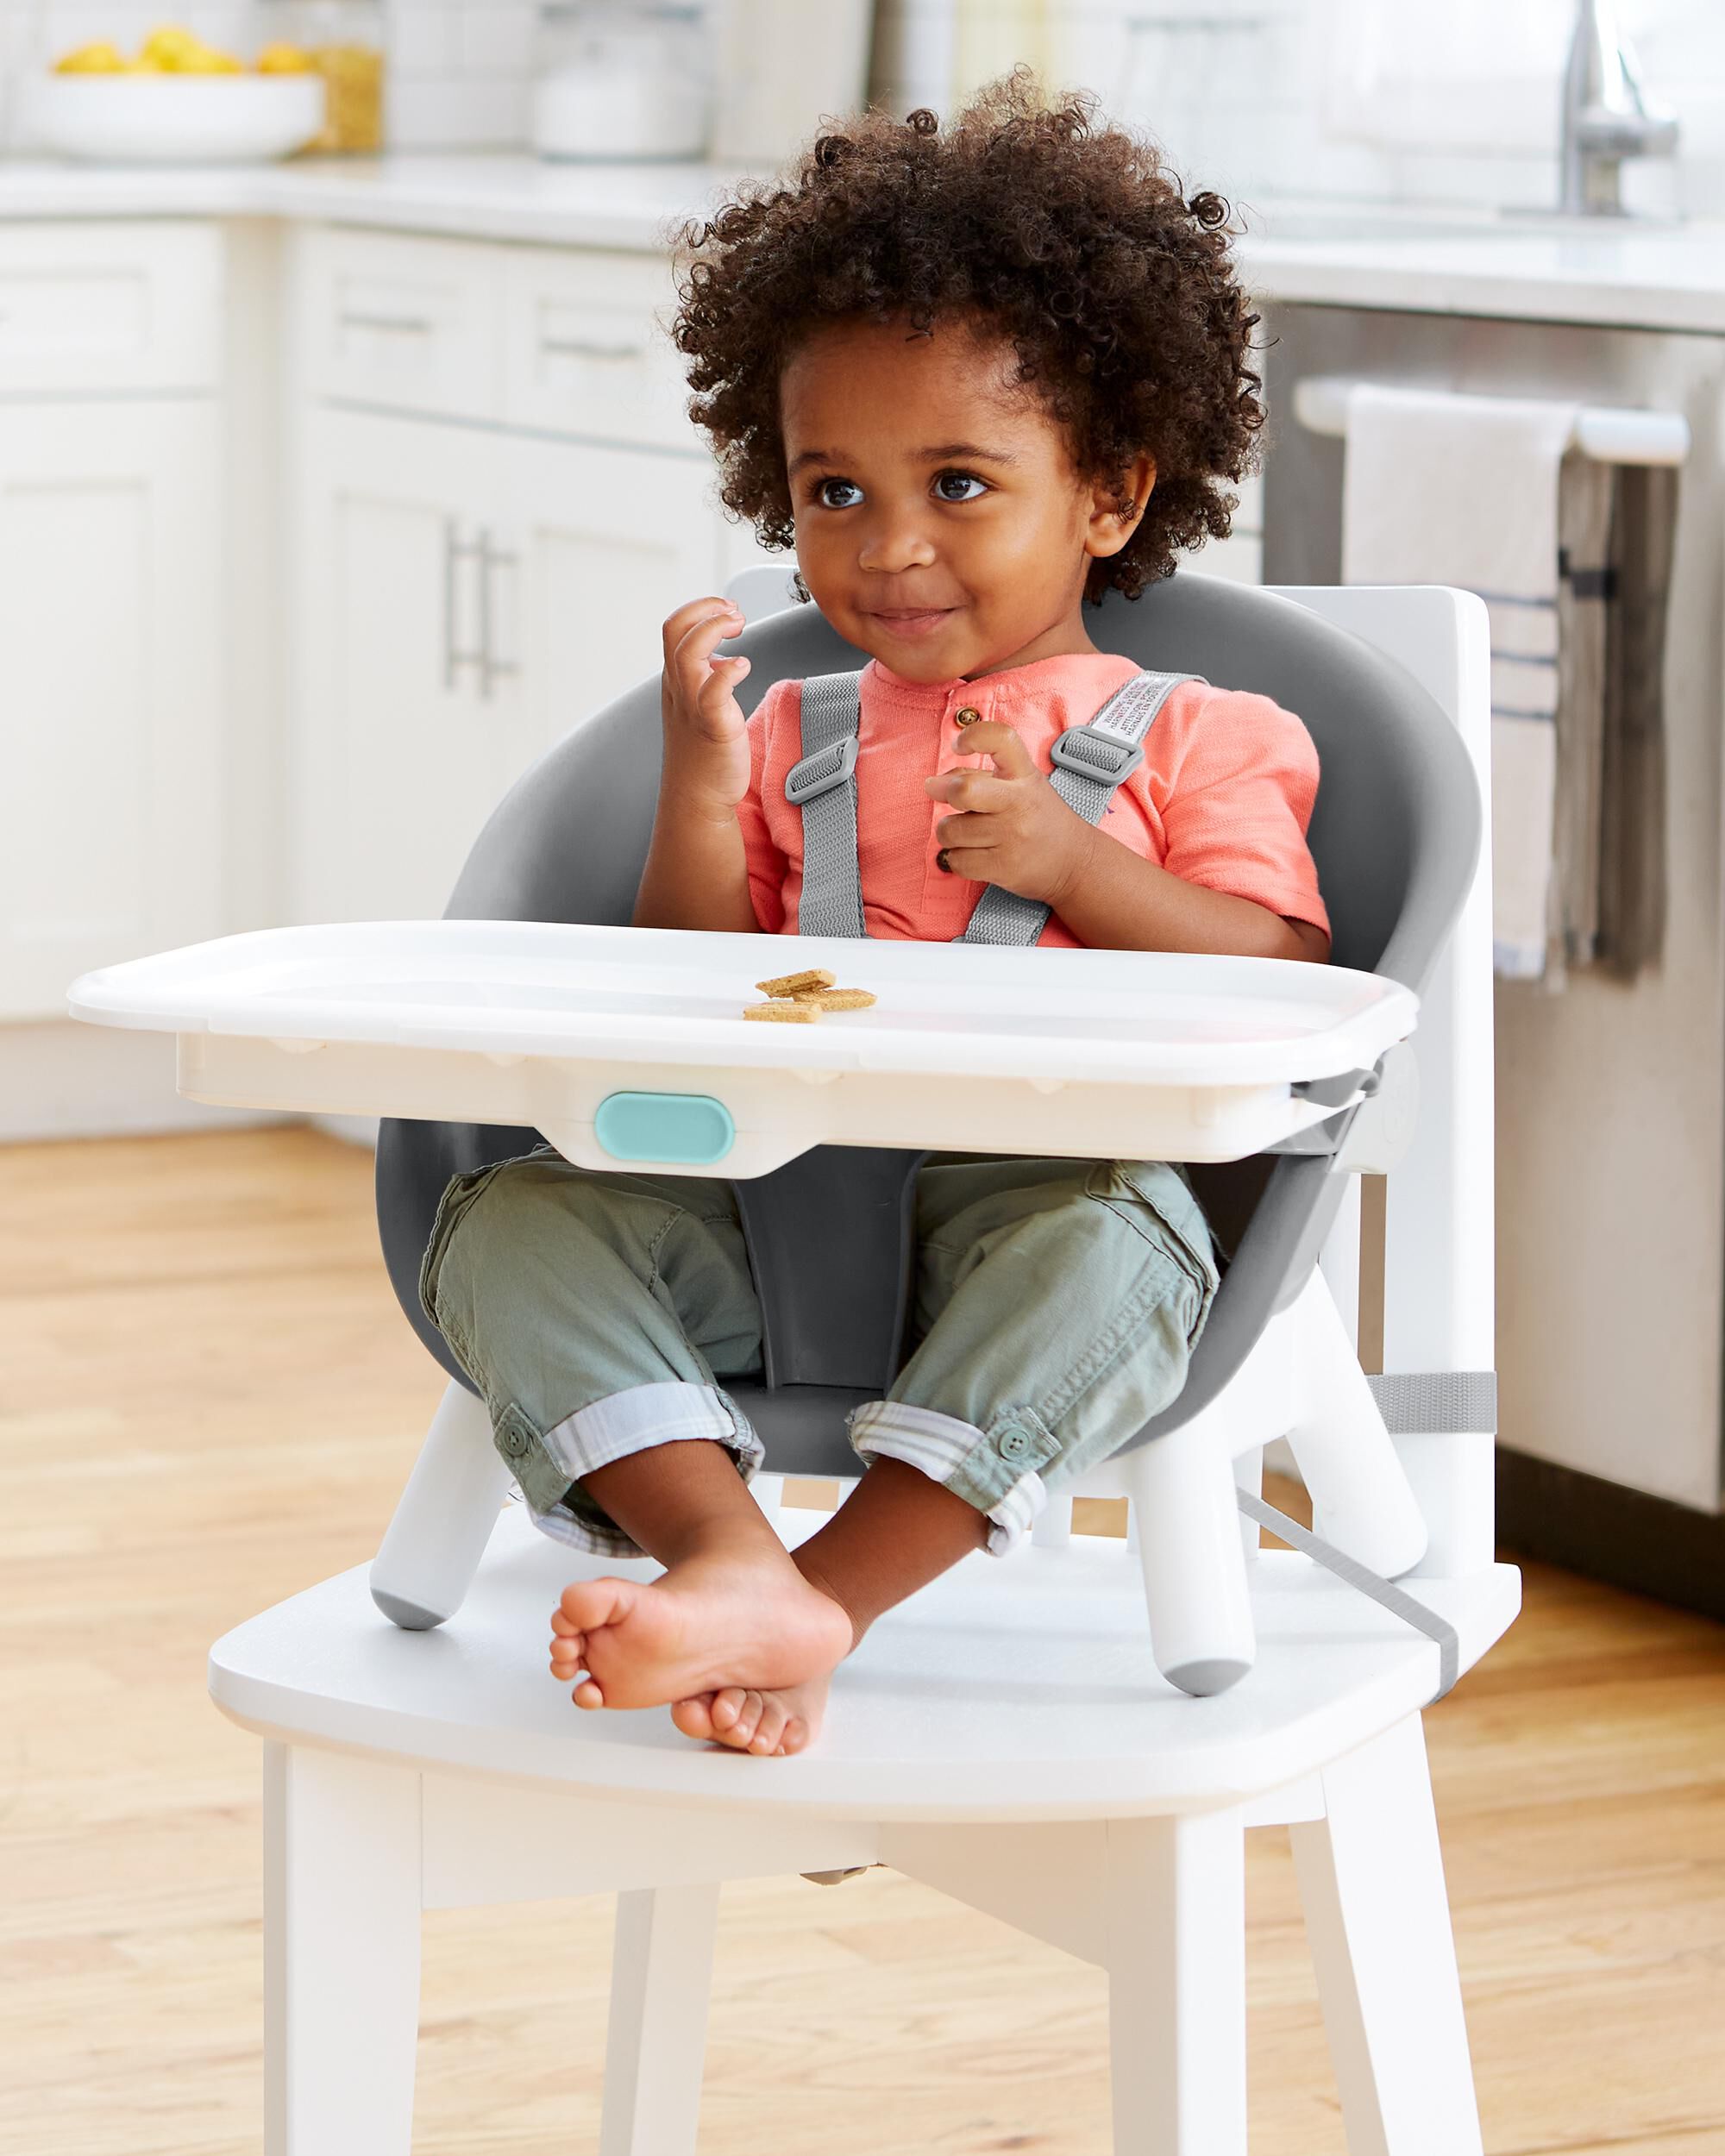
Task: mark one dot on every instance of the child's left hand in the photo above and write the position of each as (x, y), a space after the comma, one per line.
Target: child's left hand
(1014, 829)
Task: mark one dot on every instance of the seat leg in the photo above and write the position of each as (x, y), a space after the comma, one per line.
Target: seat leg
(433, 1545)
(661, 1979)
(1372, 1878)
(1362, 1499)
(1182, 1491)
(1175, 1903)
(342, 1917)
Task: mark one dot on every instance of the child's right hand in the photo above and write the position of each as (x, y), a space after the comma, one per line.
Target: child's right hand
(707, 743)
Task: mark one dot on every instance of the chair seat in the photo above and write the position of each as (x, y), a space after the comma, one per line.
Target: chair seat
(1010, 1689)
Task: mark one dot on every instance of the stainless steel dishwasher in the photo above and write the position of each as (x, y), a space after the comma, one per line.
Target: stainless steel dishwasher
(1610, 1094)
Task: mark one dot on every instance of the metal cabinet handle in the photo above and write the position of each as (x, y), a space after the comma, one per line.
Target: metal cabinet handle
(492, 668)
(589, 349)
(455, 551)
(402, 325)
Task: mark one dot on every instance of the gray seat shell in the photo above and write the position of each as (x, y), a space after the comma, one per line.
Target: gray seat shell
(1395, 833)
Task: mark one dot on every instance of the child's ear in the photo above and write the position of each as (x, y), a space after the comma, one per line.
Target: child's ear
(1113, 521)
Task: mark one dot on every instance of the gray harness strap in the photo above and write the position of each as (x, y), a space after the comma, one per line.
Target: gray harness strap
(822, 785)
(1089, 763)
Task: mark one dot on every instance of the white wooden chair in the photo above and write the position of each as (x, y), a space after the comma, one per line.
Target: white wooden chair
(1004, 1736)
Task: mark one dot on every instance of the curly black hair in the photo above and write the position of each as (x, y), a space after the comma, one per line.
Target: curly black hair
(1065, 233)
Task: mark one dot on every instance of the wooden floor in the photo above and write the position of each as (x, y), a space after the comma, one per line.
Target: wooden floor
(208, 1401)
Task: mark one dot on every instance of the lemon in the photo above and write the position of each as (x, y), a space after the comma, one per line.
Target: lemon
(100, 59)
(284, 59)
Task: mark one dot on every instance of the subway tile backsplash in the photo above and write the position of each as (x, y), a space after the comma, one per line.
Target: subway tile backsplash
(1255, 98)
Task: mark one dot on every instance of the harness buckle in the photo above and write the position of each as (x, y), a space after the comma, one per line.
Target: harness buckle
(819, 773)
(1095, 754)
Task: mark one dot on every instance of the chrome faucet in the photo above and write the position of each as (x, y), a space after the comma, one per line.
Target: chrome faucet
(1606, 115)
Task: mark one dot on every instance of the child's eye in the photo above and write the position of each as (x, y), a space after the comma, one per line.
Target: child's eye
(838, 494)
(959, 486)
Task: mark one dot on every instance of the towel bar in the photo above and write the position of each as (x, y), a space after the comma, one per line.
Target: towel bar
(1612, 433)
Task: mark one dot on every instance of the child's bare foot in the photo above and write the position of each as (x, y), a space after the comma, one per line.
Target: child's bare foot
(713, 1624)
(773, 1722)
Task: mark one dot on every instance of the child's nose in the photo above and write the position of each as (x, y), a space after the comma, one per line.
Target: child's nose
(893, 543)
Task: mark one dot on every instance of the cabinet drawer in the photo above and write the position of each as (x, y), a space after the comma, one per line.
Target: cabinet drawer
(123, 306)
(407, 324)
(586, 350)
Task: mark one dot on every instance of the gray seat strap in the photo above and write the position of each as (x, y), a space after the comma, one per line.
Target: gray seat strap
(823, 786)
(1089, 763)
(1393, 1598)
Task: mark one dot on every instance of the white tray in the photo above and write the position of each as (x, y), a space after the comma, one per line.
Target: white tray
(1123, 1055)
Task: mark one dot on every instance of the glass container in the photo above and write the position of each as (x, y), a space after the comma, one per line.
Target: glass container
(343, 41)
(621, 78)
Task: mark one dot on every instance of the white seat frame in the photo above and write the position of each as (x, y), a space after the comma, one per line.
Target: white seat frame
(363, 1830)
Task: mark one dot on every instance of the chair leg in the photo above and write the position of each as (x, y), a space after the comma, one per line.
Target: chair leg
(1372, 1878)
(1176, 1892)
(432, 1546)
(1361, 1497)
(342, 1916)
(1182, 1491)
(662, 1976)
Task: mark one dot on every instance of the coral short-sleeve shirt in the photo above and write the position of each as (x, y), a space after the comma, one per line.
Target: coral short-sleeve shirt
(1223, 796)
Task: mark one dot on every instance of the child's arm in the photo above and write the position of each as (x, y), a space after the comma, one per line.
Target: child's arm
(696, 875)
(1014, 829)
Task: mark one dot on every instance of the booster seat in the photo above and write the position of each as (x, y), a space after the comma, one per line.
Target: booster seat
(1396, 834)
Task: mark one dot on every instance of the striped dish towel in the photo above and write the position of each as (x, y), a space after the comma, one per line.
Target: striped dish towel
(1443, 488)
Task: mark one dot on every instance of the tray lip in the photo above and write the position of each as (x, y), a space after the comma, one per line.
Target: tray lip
(204, 989)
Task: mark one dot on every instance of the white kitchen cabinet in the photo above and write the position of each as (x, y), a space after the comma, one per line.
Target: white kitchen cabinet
(111, 730)
(402, 743)
(604, 543)
(466, 597)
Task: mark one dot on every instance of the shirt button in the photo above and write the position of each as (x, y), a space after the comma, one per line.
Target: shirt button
(1013, 1443)
(966, 715)
(516, 1440)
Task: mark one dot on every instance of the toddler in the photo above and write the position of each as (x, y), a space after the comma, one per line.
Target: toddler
(976, 377)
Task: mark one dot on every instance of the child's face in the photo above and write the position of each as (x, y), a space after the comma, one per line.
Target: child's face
(941, 524)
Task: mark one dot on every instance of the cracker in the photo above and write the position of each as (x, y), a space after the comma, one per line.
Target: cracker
(787, 1010)
(790, 984)
(836, 999)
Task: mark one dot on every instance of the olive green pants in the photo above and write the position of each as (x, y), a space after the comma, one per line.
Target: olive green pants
(1057, 1302)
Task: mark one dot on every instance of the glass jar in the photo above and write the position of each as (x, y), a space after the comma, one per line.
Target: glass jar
(343, 41)
(621, 78)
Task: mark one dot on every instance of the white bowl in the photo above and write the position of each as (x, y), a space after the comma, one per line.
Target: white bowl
(173, 119)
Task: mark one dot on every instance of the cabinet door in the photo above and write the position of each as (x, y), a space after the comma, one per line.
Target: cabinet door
(604, 543)
(398, 755)
(111, 615)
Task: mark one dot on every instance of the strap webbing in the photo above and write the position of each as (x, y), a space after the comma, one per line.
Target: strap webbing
(1090, 762)
(1393, 1598)
(831, 900)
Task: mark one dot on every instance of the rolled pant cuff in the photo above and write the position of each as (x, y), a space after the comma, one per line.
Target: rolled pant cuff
(948, 1449)
(629, 1422)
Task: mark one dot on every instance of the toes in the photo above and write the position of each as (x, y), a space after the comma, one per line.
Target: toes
(589, 1604)
(769, 1728)
(725, 1707)
(742, 1730)
(694, 1716)
(587, 1693)
(795, 1736)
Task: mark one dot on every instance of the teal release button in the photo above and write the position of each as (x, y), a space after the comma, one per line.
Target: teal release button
(692, 1128)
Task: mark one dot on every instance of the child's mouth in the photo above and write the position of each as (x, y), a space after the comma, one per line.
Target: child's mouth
(911, 621)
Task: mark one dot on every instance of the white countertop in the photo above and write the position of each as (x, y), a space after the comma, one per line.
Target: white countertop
(1429, 259)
